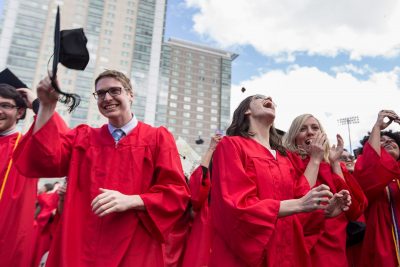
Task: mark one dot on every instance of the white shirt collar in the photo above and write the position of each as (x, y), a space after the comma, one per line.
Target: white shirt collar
(127, 128)
(9, 132)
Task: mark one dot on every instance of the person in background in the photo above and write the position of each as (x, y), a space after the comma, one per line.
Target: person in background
(17, 194)
(377, 170)
(200, 238)
(312, 154)
(348, 159)
(126, 187)
(258, 201)
(46, 211)
(355, 229)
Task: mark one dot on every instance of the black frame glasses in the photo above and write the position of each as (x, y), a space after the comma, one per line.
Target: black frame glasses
(7, 106)
(347, 158)
(112, 91)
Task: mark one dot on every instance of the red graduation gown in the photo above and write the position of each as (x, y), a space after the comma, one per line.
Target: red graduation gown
(197, 252)
(145, 162)
(17, 208)
(329, 249)
(247, 187)
(48, 203)
(374, 173)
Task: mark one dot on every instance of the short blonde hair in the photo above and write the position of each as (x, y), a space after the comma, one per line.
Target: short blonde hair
(117, 75)
(289, 139)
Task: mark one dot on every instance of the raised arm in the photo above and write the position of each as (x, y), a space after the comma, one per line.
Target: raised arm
(380, 124)
(316, 151)
(48, 98)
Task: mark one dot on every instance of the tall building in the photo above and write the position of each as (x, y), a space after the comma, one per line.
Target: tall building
(194, 95)
(126, 35)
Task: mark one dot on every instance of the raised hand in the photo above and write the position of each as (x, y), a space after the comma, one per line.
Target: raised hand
(338, 203)
(336, 150)
(46, 93)
(389, 114)
(27, 95)
(214, 141)
(315, 148)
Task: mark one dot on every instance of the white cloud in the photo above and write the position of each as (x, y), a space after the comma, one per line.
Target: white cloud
(299, 90)
(365, 69)
(281, 28)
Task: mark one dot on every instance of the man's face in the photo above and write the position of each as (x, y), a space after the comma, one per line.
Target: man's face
(116, 103)
(9, 114)
(348, 160)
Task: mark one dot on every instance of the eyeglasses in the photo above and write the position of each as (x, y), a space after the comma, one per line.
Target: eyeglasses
(346, 158)
(7, 106)
(112, 91)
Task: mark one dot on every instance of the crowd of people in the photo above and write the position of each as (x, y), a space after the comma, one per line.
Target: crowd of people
(257, 198)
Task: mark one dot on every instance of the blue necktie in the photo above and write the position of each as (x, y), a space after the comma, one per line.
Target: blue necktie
(118, 134)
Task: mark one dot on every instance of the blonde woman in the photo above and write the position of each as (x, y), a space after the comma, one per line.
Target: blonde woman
(257, 198)
(312, 154)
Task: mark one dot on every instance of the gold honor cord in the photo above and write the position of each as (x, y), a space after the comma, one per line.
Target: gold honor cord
(395, 233)
(8, 168)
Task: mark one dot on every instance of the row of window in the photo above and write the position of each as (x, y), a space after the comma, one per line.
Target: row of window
(188, 131)
(189, 99)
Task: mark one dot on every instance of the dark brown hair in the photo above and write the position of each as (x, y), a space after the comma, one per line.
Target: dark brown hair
(9, 92)
(241, 124)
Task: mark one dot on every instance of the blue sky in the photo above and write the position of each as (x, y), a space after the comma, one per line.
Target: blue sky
(332, 59)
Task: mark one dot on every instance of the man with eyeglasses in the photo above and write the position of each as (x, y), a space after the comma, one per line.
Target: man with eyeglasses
(348, 160)
(17, 194)
(126, 187)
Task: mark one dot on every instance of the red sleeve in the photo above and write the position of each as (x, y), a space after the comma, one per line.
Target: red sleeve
(237, 209)
(167, 198)
(359, 201)
(374, 172)
(199, 185)
(47, 152)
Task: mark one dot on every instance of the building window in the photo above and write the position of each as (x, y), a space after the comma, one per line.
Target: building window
(200, 109)
(186, 98)
(187, 107)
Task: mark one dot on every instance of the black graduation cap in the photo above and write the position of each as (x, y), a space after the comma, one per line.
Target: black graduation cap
(243, 89)
(8, 77)
(199, 141)
(69, 50)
